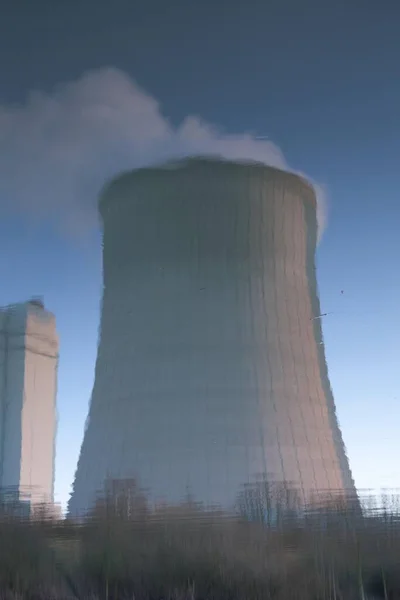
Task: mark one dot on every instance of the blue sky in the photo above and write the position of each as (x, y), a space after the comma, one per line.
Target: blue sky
(320, 79)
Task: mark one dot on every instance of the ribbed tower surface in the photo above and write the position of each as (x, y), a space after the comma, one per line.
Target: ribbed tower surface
(211, 371)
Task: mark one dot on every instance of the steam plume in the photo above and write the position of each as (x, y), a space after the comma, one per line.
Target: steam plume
(58, 149)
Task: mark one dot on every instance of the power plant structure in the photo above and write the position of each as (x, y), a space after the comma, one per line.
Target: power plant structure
(211, 374)
(28, 414)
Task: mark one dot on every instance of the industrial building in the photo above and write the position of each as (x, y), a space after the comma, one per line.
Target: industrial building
(211, 374)
(28, 417)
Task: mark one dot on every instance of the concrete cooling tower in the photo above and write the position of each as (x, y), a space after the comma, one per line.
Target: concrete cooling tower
(211, 374)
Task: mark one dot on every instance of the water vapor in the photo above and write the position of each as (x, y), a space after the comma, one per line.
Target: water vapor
(58, 149)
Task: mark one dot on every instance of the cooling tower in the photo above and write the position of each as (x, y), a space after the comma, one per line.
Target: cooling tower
(210, 372)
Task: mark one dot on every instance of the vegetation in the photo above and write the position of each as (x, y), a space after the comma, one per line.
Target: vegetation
(125, 550)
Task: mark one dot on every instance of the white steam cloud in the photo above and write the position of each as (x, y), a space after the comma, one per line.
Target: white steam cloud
(57, 150)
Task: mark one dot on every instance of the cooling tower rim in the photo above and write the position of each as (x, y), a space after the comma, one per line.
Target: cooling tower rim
(110, 188)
